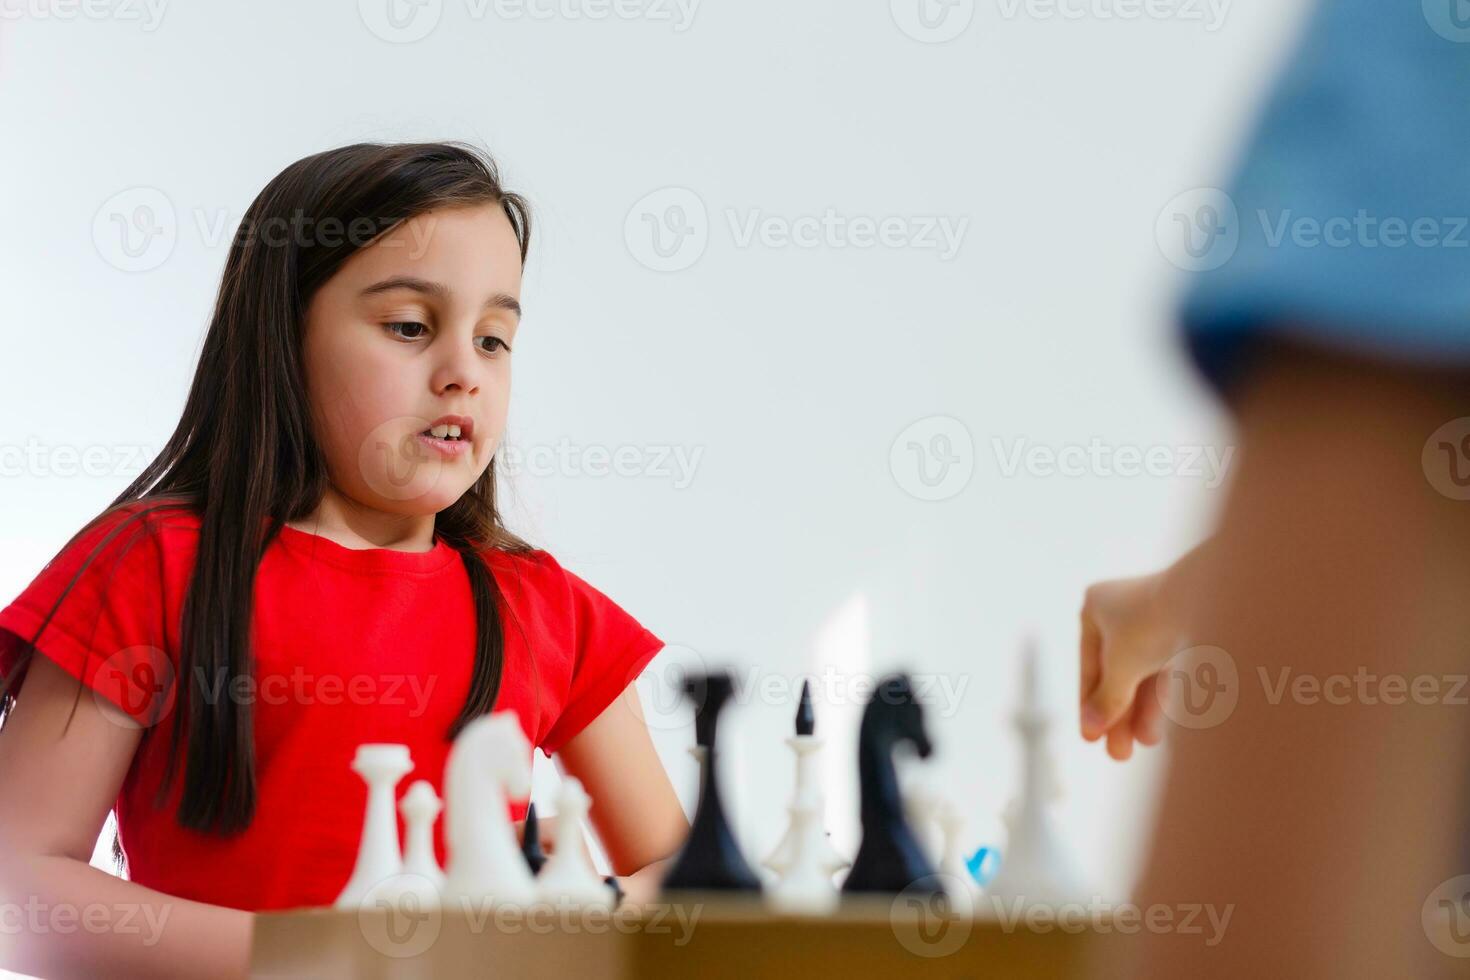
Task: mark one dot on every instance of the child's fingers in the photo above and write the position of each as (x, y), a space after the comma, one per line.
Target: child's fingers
(1120, 740)
(1148, 712)
(1089, 676)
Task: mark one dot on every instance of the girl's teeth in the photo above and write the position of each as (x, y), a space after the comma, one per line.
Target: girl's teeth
(444, 431)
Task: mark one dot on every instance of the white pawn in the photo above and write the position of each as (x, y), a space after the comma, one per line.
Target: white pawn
(422, 882)
(378, 858)
(808, 797)
(568, 879)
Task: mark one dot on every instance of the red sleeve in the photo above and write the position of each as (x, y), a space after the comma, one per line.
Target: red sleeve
(99, 616)
(610, 650)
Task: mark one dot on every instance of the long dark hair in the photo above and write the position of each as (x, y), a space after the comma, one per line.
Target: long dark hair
(244, 456)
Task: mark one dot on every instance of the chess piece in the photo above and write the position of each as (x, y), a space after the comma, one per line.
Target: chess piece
(710, 859)
(1034, 866)
(381, 766)
(531, 842)
(489, 764)
(890, 858)
(568, 879)
(959, 883)
(805, 885)
(808, 795)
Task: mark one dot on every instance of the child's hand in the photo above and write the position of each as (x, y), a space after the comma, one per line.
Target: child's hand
(1127, 635)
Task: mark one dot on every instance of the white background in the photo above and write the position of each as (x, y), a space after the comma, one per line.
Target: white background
(791, 371)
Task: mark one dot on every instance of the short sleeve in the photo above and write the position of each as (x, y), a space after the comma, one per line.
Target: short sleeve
(611, 648)
(1347, 224)
(97, 610)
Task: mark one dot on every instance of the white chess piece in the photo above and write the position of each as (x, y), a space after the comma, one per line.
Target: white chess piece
(959, 884)
(378, 858)
(1034, 866)
(568, 879)
(421, 883)
(489, 763)
(808, 796)
(805, 885)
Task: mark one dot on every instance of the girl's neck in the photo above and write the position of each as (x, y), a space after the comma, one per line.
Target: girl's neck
(350, 524)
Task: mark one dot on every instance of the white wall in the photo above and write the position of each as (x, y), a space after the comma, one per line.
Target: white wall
(790, 371)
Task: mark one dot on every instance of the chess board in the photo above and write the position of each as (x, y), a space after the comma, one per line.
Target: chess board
(708, 937)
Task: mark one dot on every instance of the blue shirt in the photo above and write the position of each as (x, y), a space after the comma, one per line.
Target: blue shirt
(1352, 204)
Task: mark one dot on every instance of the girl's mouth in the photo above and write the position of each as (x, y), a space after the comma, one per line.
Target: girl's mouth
(446, 444)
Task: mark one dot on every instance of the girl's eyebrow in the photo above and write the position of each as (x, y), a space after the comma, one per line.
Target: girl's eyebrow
(439, 291)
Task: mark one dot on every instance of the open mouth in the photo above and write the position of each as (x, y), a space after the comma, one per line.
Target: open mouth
(449, 433)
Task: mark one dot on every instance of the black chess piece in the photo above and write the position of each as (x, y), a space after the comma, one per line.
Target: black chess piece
(531, 841)
(617, 887)
(710, 859)
(889, 859)
(806, 721)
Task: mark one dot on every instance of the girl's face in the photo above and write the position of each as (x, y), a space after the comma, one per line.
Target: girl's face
(411, 334)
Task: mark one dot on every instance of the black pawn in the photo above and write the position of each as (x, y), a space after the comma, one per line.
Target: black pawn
(531, 841)
(710, 859)
(890, 860)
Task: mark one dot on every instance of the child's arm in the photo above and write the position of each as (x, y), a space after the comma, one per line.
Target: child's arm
(1327, 812)
(635, 811)
(62, 761)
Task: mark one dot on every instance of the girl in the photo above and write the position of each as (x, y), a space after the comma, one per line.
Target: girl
(314, 561)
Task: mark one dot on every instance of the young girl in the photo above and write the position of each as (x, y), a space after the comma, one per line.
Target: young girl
(314, 561)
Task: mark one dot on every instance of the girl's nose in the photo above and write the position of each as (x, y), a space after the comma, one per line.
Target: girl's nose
(457, 367)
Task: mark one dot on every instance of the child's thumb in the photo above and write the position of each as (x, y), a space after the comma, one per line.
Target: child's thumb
(1107, 703)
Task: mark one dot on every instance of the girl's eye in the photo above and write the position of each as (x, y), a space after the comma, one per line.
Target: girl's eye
(415, 330)
(490, 347)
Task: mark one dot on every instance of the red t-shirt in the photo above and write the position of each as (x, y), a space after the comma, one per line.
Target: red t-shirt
(350, 646)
